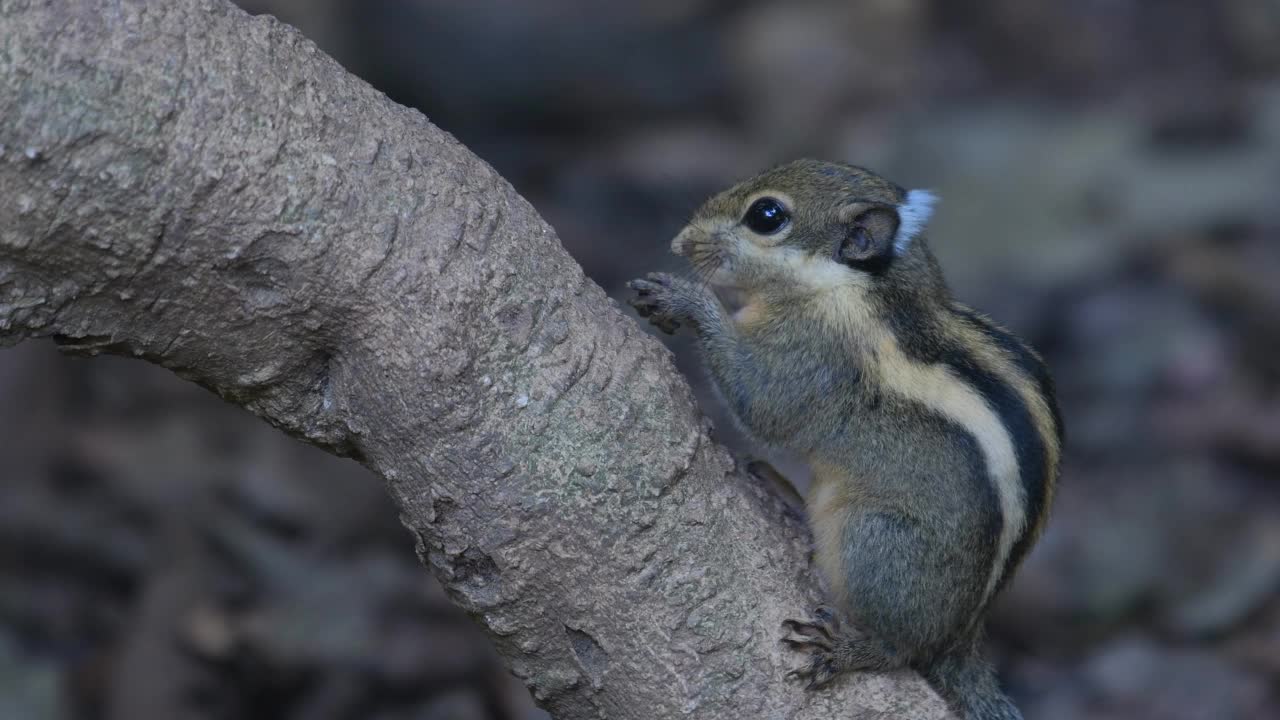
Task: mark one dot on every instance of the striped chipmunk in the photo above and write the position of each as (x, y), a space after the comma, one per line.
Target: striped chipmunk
(931, 432)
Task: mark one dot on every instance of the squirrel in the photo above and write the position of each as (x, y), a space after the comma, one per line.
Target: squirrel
(932, 433)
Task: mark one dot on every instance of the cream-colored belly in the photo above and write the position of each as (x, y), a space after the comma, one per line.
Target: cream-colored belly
(830, 506)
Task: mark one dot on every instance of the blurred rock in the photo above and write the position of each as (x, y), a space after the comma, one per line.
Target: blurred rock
(798, 66)
(29, 687)
(1138, 679)
(1248, 579)
(1258, 646)
(457, 706)
(1030, 34)
(1253, 31)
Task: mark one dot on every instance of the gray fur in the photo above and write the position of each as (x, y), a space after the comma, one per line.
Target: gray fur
(922, 523)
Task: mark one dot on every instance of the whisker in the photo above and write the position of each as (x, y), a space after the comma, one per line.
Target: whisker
(694, 271)
(703, 267)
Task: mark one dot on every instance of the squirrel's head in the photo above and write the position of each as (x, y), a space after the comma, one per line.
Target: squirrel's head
(808, 226)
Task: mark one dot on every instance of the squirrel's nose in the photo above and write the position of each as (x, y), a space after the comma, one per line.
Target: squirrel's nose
(680, 242)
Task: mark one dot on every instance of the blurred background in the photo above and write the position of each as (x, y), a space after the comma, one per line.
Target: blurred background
(1110, 183)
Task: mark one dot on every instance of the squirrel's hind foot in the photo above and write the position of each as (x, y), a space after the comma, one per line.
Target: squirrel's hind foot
(832, 649)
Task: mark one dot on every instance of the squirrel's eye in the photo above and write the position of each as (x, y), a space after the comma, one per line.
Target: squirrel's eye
(766, 216)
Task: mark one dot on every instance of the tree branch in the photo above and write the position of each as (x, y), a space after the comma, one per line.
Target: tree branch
(186, 184)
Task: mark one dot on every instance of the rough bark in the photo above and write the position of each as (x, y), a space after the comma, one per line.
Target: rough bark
(205, 190)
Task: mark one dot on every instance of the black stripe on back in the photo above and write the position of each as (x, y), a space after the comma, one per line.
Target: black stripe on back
(1022, 355)
(1028, 443)
(933, 347)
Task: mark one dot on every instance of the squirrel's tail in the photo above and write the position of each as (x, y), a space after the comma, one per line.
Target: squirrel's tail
(968, 684)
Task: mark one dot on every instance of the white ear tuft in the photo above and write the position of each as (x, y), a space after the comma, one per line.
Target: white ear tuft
(913, 215)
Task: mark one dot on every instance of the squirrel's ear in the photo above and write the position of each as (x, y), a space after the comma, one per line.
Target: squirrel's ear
(913, 214)
(869, 236)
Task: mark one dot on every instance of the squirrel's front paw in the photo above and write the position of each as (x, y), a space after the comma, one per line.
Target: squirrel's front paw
(661, 298)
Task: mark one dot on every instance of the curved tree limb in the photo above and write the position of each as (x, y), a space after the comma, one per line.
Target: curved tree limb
(206, 190)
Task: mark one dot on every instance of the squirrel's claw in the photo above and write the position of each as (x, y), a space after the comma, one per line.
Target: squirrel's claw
(820, 671)
(818, 637)
(653, 300)
(808, 631)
